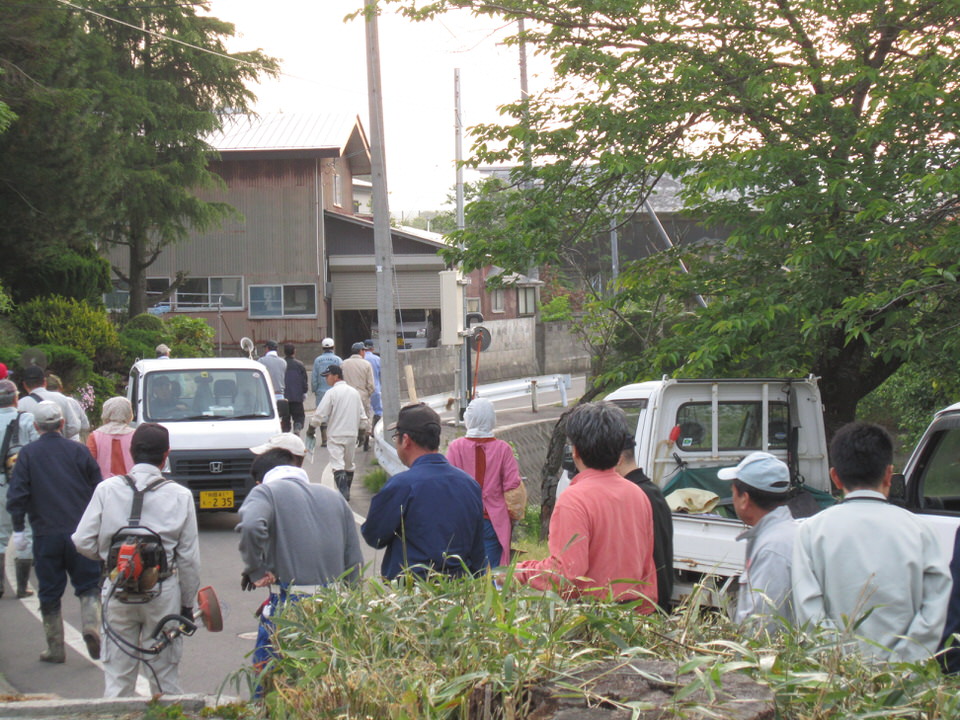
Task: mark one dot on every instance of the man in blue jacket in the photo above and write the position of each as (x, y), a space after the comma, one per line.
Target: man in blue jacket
(430, 517)
(52, 482)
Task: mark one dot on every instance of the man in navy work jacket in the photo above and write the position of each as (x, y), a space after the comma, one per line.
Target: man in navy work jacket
(430, 517)
(52, 483)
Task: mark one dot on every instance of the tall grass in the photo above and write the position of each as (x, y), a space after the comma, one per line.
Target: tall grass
(466, 649)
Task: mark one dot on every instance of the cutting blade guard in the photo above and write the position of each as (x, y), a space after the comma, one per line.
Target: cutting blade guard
(209, 608)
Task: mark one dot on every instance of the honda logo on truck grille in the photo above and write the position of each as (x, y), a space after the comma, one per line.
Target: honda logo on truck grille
(216, 467)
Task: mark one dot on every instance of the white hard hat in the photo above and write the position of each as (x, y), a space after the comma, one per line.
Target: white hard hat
(327, 343)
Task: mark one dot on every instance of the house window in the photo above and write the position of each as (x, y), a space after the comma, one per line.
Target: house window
(473, 304)
(119, 299)
(496, 300)
(337, 184)
(208, 293)
(526, 300)
(283, 301)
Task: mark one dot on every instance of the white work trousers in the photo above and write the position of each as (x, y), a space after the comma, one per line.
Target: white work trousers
(342, 451)
(135, 623)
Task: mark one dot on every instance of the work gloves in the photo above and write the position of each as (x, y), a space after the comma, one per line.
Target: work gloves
(20, 541)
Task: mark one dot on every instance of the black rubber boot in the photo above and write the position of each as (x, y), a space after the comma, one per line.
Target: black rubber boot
(347, 483)
(340, 479)
(23, 577)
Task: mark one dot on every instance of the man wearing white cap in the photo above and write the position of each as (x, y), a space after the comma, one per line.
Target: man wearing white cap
(342, 412)
(294, 535)
(761, 485)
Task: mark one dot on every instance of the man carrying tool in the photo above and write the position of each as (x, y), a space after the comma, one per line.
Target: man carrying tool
(294, 535)
(143, 502)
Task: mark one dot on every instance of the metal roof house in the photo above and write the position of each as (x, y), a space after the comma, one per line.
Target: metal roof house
(297, 263)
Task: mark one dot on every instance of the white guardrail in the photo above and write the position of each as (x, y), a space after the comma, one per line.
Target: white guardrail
(510, 389)
(387, 454)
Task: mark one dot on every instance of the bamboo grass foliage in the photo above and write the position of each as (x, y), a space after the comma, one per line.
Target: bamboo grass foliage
(463, 649)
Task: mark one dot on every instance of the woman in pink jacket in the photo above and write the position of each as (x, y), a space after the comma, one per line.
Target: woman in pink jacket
(110, 443)
(492, 464)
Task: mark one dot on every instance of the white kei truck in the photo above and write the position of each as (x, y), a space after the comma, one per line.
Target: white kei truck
(216, 409)
(687, 429)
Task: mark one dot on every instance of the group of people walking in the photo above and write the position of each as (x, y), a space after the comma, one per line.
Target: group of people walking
(865, 569)
(64, 503)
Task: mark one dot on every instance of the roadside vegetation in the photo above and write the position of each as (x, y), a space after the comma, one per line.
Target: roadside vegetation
(466, 649)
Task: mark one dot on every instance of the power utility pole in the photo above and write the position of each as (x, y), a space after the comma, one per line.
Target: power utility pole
(382, 240)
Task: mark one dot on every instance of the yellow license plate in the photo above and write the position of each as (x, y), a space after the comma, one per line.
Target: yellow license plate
(216, 499)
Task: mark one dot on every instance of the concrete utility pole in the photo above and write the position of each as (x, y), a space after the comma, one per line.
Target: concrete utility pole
(382, 240)
(465, 383)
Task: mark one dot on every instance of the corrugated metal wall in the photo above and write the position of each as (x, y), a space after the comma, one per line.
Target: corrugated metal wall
(416, 289)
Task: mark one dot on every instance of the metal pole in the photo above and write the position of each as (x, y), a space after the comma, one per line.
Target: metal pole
(666, 238)
(614, 248)
(382, 240)
(464, 391)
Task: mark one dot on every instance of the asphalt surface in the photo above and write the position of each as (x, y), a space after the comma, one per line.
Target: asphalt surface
(30, 688)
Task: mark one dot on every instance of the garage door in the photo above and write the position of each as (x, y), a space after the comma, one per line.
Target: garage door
(358, 290)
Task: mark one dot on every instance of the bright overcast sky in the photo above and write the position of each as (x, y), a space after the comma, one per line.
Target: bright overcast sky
(323, 61)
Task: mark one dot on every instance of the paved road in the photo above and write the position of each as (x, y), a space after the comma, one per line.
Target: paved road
(210, 660)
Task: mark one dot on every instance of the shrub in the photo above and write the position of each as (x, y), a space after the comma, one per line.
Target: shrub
(67, 322)
(190, 337)
(556, 309)
(73, 367)
(432, 649)
(145, 321)
(137, 343)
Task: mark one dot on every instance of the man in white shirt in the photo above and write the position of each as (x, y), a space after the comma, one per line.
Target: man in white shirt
(342, 411)
(168, 511)
(35, 383)
(865, 568)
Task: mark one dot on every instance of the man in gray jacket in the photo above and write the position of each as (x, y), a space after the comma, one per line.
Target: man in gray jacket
(760, 485)
(294, 535)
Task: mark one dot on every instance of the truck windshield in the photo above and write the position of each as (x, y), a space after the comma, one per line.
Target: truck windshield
(200, 394)
(739, 425)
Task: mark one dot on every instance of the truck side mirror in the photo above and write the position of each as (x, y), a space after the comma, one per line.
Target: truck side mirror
(898, 490)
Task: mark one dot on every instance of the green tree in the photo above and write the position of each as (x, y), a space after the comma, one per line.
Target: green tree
(113, 100)
(170, 82)
(55, 156)
(824, 134)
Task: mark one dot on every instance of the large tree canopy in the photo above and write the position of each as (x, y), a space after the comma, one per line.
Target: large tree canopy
(113, 100)
(824, 134)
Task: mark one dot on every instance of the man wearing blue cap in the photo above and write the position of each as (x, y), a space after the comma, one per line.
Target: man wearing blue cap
(761, 485)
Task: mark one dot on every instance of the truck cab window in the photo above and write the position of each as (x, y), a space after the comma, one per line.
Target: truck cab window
(940, 481)
(739, 425)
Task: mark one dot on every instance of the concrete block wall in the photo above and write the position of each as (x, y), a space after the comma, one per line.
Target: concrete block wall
(561, 349)
(512, 354)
